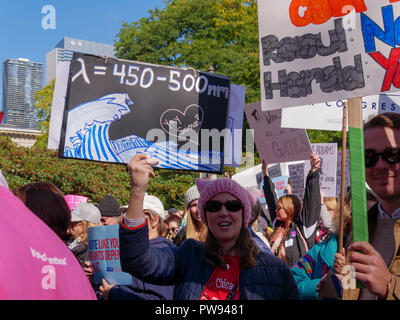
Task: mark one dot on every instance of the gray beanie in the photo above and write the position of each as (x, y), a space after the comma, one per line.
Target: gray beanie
(191, 195)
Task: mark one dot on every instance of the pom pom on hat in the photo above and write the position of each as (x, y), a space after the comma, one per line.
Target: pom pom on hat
(210, 188)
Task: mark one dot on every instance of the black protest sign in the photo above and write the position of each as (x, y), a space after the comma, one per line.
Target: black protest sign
(117, 108)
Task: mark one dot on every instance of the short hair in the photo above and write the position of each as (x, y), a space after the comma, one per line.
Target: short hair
(173, 217)
(387, 119)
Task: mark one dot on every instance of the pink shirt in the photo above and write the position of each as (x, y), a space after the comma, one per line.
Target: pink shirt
(35, 263)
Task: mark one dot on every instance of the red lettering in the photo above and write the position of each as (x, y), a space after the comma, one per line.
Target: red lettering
(391, 66)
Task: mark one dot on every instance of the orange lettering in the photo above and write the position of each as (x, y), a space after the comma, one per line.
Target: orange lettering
(300, 13)
(304, 12)
(321, 11)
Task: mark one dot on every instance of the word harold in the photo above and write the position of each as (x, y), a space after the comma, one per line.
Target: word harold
(330, 78)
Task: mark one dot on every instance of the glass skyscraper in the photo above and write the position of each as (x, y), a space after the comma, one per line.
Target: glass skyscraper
(65, 49)
(21, 80)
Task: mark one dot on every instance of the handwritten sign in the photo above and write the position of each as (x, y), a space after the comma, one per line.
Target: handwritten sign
(313, 51)
(280, 185)
(329, 115)
(117, 108)
(328, 169)
(103, 245)
(296, 177)
(276, 144)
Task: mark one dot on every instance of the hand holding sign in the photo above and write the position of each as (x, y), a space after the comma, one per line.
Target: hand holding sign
(140, 167)
(370, 268)
(315, 162)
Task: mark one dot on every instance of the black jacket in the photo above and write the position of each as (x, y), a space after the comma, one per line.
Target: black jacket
(306, 224)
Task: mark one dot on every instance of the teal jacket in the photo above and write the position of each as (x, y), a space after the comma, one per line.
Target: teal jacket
(309, 269)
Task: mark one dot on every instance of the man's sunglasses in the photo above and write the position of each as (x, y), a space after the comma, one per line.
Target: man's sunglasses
(230, 205)
(390, 155)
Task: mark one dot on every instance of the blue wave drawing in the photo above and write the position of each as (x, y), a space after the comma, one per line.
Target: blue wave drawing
(87, 137)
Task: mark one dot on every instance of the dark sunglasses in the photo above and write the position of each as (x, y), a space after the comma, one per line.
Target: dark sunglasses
(390, 155)
(230, 205)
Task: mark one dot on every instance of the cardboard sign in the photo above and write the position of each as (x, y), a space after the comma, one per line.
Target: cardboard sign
(103, 246)
(329, 115)
(280, 185)
(276, 144)
(296, 177)
(117, 108)
(57, 108)
(233, 145)
(328, 154)
(312, 51)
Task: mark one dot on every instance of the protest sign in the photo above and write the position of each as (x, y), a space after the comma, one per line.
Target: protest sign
(280, 184)
(249, 178)
(233, 145)
(312, 51)
(73, 200)
(328, 168)
(103, 246)
(117, 108)
(296, 177)
(276, 144)
(57, 107)
(328, 116)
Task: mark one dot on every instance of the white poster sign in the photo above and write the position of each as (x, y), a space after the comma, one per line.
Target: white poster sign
(57, 108)
(328, 154)
(313, 51)
(276, 144)
(233, 147)
(328, 116)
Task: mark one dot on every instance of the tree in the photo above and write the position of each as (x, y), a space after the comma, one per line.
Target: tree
(43, 102)
(199, 34)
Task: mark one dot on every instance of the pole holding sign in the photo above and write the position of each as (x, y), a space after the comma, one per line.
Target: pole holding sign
(357, 165)
(343, 179)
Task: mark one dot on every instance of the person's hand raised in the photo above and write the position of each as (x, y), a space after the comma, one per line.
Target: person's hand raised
(140, 168)
(315, 162)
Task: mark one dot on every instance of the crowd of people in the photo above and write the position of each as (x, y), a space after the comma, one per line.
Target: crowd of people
(225, 245)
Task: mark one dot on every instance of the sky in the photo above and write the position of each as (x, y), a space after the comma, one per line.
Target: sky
(22, 34)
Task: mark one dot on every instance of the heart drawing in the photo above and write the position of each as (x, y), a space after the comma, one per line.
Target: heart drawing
(177, 123)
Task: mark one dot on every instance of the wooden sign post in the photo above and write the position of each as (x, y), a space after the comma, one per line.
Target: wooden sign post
(343, 178)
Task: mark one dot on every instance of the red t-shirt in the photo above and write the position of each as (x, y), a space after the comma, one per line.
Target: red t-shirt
(223, 281)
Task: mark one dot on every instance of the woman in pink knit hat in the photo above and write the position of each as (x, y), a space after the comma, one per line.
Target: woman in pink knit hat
(228, 265)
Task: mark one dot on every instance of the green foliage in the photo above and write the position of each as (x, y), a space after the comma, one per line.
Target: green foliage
(94, 180)
(320, 136)
(199, 34)
(43, 102)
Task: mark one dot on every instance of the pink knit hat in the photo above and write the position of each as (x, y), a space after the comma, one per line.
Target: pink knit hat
(209, 188)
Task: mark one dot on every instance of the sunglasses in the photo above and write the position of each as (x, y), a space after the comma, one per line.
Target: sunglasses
(389, 155)
(230, 205)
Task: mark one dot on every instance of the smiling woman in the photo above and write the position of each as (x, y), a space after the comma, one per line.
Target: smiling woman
(228, 266)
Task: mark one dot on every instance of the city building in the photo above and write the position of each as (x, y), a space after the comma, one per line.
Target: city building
(65, 49)
(21, 80)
